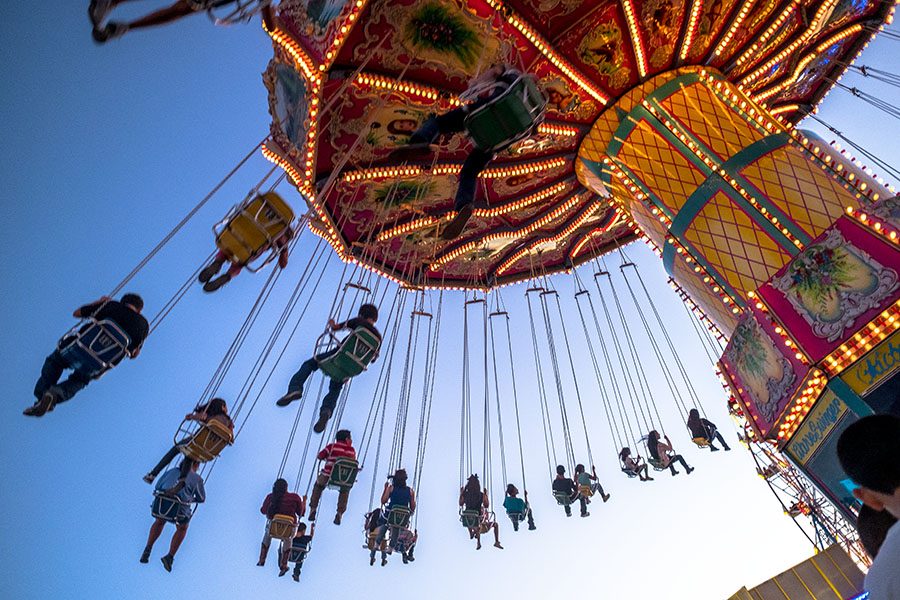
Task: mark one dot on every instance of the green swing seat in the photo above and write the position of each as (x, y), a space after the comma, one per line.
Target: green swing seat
(398, 516)
(562, 498)
(470, 518)
(512, 116)
(343, 474)
(657, 464)
(352, 355)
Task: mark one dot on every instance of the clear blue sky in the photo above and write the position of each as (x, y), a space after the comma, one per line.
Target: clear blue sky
(104, 149)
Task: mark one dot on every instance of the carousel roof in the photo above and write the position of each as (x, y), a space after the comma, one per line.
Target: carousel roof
(351, 79)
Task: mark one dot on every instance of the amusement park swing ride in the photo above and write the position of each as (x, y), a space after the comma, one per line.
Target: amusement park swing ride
(672, 122)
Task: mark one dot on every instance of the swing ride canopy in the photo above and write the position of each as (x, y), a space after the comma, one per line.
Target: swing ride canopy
(352, 79)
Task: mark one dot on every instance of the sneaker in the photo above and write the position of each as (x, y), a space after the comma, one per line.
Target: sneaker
(497, 545)
(209, 270)
(532, 527)
(713, 449)
(727, 448)
(112, 30)
(296, 577)
(674, 472)
(456, 226)
(337, 519)
(405, 560)
(167, 562)
(148, 478)
(282, 571)
(145, 556)
(99, 10)
(384, 562)
(515, 525)
(690, 470)
(214, 284)
(289, 397)
(320, 425)
(605, 497)
(585, 514)
(371, 561)
(42, 406)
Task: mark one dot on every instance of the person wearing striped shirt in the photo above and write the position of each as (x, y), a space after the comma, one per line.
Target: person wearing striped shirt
(341, 448)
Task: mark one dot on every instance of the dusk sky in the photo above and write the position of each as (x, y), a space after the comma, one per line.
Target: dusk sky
(105, 149)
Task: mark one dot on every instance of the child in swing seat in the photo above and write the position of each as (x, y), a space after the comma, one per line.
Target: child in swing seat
(300, 547)
(368, 314)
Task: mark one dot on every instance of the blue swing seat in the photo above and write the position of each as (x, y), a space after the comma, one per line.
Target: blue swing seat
(165, 507)
(96, 348)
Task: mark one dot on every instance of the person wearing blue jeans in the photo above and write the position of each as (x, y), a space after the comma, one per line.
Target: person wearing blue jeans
(51, 371)
(368, 314)
(454, 122)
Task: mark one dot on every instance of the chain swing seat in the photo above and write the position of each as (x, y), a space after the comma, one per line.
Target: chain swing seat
(470, 518)
(202, 442)
(343, 474)
(701, 442)
(585, 491)
(398, 516)
(241, 11)
(343, 359)
(282, 527)
(518, 515)
(94, 349)
(166, 507)
(508, 118)
(563, 498)
(250, 229)
(298, 553)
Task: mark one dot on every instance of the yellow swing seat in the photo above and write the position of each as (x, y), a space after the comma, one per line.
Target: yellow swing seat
(251, 228)
(585, 490)
(701, 442)
(206, 443)
(282, 527)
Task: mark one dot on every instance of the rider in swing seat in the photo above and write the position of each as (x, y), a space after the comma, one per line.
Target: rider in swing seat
(472, 498)
(260, 225)
(300, 547)
(192, 492)
(564, 488)
(214, 410)
(280, 502)
(342, 448)
(518, 509)
(368, 314)
(588, 484)
(635, 466)
(664, 455)
(705, 431)
(124, 313)
(396, 494)
(453, 122)
(102, 32)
